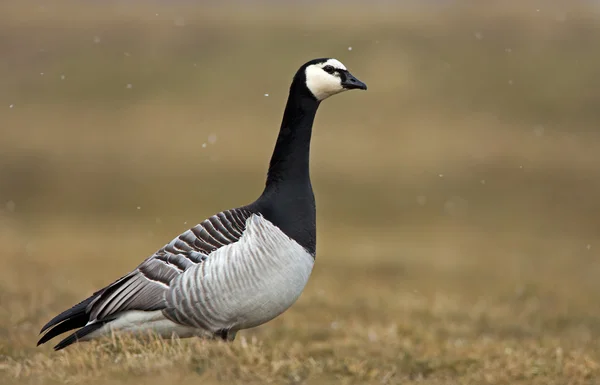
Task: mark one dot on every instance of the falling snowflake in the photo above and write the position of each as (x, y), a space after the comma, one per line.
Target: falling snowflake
(97, 39)
(349, 48)
(203, 145)
(62, 77)
(129, 86)
(478, 35)
(266, 94)
(139, 207)
(212, 138)
(11, 106)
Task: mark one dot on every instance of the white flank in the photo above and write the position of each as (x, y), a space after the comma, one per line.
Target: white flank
(144, 322)
(238, 286)
(244, 284)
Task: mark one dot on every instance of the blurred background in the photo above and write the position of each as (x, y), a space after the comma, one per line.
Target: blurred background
(470, 169)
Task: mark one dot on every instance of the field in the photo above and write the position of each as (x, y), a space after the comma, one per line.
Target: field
(458, 198)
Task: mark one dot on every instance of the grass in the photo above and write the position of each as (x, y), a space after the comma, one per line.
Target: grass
(457, 198)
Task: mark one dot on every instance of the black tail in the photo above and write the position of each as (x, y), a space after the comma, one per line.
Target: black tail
(78, 317)
(79, 334)
(70, 319)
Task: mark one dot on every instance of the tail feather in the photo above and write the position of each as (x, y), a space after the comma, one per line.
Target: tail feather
(76, 312)
(79, 334)
(73, 318)
(65, 326)
(77, 317)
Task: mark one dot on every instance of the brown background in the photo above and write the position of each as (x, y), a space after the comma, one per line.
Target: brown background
(458, 198)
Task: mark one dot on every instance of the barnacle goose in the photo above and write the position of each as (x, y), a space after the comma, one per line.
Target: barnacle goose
(239, 268)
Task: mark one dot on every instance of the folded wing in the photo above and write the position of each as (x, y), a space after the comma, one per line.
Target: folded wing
(144, 288)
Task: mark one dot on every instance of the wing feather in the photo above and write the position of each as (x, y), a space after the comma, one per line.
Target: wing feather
(246, 283)
(145, 287)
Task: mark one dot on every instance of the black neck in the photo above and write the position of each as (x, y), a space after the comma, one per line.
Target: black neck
(288, 200)
(290, 160)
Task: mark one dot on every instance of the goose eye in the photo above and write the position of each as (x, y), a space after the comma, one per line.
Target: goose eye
(329, 69)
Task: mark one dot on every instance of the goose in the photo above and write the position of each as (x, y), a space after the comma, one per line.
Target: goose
(239, 268)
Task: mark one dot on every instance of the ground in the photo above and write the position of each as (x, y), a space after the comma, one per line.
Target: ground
(457, 198)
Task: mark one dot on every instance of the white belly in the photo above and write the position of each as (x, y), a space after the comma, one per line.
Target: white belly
(244, 284)
(278, 287)
(141, 323)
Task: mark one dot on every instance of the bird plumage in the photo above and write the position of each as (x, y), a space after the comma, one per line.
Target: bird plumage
(237, 269)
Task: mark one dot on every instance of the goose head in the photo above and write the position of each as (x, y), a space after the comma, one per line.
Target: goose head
(326, 77)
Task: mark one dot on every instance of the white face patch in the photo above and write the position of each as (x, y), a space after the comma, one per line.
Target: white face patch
(321, 83)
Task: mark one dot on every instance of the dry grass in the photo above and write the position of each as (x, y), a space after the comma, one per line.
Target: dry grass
(458, 197)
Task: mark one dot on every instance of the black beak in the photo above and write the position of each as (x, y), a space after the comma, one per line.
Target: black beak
(349, 82)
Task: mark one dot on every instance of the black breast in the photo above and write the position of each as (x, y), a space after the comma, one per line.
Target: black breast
(291, 207)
